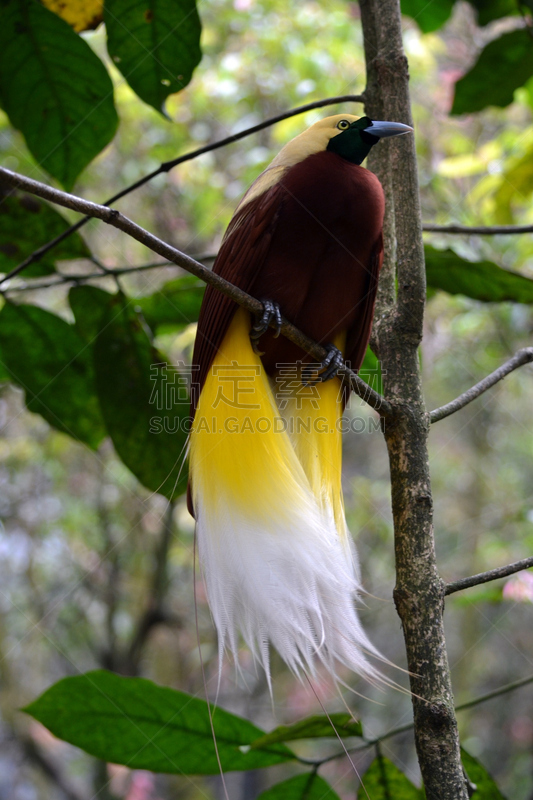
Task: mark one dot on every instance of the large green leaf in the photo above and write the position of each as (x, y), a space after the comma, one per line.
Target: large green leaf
(315, 727)
(133, 721)
(54, 89)
(144, 400)
(175, 305)
(477, 774)
(88, 304)
(46, 357)
(304, 787)
(489, 10)
(155, 44)
(428, 16)
(384, 781)
(504, 65)
(482, 280)
(25, 224)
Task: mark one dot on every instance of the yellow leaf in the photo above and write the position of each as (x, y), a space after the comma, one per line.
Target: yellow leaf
(516, 187)
(469, 163)
(82, 15)
(461, 166)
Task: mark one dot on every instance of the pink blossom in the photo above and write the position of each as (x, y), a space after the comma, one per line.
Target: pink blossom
(519, 588)
(141, 787)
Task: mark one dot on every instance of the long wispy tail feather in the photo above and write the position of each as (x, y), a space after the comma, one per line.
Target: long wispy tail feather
(277, 558)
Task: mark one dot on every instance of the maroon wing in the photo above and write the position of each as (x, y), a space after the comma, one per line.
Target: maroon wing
(241, 256)
(359, 333)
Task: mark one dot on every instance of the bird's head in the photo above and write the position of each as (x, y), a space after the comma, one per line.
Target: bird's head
(353, 138)
(348, 136)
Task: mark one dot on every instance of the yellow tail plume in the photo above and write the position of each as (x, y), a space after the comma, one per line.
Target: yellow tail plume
(265, 466)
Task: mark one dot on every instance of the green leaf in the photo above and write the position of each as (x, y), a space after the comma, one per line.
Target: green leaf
(482, 280)
(504, 65)
(489, 10)
(304, 787)
(134, 722)
(175, 305)
(370, 371)
(477, 774)
(54, 89)
(144, 400)
(46, 357)
(516, 187)
(384, 781)
(26, 223)
(88, 304)
(5, 377)
(314, 727)
(428, 16)
(155, 44)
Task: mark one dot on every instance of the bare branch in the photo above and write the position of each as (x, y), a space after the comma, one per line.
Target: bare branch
(168, 165)
(118, 220)
(510, 687)
(60, 279)
(523, 356)
(484, 230)
(490, 575)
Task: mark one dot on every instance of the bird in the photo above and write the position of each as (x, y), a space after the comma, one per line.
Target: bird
(279, 564)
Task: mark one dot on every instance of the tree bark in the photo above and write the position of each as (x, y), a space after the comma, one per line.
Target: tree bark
(419, 592)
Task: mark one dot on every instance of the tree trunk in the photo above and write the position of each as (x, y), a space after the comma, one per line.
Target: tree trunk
(419, 592)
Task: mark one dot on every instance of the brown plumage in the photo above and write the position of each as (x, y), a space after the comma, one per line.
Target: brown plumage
(313, 244)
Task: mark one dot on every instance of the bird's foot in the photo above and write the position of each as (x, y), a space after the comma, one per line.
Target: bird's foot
(271, 313)
(327, 369)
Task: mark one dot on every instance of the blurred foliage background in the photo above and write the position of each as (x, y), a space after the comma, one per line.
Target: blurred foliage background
(97, 571)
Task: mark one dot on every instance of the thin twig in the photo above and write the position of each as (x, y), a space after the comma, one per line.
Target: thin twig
(523, 356)
(490, 575)
(61, 279)
(168, 165)
(484, 230)
(118, 220)
(510, 687)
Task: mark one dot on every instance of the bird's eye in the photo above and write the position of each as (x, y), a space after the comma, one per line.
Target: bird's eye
(343, 124)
